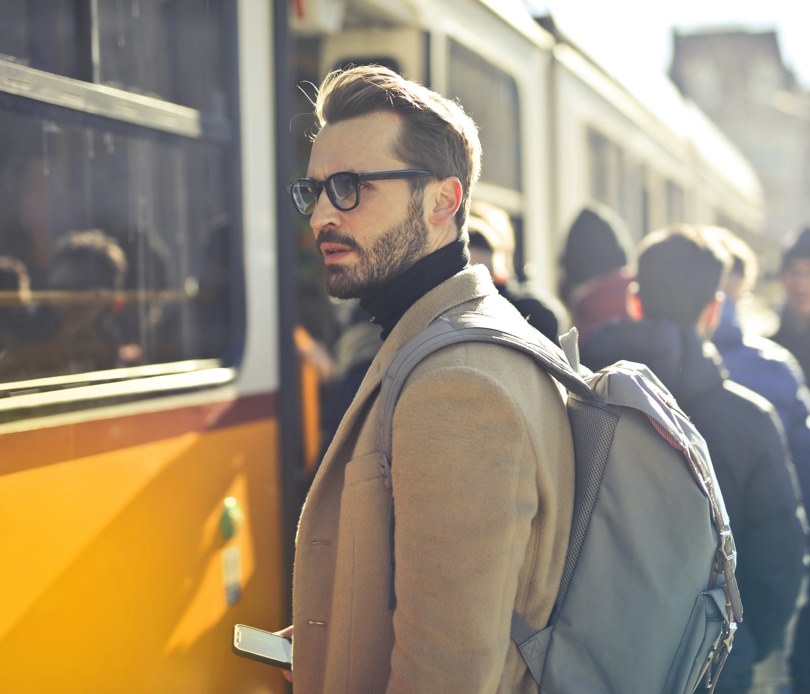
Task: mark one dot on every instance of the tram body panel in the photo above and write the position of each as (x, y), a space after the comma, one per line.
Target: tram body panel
(121, 571)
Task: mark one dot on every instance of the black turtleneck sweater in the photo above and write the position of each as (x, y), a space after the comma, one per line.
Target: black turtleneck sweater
(389, 302)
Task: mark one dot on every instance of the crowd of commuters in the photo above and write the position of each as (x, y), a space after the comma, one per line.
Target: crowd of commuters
(675, 308)
(482, 486)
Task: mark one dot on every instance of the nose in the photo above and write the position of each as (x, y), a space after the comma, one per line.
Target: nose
(324, 215)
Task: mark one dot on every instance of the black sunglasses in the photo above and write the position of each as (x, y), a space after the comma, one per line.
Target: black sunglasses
(342, 188)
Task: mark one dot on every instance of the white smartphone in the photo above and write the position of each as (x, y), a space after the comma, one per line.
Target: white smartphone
(262, 646)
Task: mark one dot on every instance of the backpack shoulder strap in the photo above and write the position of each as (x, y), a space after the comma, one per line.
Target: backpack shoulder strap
(468, 327)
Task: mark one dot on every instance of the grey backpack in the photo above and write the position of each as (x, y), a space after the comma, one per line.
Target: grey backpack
(648, 601)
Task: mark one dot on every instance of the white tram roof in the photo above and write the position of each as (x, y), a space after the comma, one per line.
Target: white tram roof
(658, 95)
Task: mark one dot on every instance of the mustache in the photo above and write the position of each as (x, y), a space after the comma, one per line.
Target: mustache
(331, 236)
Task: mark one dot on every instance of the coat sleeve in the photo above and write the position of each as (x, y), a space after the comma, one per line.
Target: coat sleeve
(774, 537)
(464, 498)
(797, 429)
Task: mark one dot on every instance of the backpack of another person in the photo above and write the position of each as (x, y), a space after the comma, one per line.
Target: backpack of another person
(648, 600)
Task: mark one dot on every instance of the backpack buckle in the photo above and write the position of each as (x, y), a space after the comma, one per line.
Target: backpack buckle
(727, 546)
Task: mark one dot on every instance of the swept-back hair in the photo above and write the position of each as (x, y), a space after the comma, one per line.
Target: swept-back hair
(436, 134)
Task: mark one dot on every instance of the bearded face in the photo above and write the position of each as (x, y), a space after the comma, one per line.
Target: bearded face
(390, 254)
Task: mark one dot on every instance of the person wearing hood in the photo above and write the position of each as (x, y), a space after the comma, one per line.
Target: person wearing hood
(676, 305)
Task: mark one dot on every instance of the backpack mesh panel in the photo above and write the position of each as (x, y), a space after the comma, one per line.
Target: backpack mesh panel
(593, 427)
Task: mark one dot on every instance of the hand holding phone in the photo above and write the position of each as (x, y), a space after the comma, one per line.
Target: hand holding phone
(262, 646)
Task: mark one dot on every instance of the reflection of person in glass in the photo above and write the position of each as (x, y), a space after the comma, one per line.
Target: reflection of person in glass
(85, 328)
(16, 309)
(213, 319)
(199, 327)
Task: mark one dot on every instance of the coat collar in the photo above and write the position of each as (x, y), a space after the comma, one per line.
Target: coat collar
(468, 285)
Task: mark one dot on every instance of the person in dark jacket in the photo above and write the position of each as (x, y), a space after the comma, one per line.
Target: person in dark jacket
(677, 305)
(769, 369)
(761, 364)
(794, 325)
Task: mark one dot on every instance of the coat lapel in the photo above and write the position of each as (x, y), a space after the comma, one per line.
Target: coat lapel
(468, 285)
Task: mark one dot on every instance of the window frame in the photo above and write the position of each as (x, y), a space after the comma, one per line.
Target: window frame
(67, 100)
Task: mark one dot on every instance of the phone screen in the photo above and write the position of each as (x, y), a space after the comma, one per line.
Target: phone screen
(262, 645)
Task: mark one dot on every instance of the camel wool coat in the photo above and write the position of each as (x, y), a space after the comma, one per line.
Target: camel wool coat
(482, 478)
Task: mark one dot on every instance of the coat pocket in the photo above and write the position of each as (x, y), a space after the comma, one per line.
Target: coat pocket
(367, 468)
(361, 616)
(365, 516)
(700, 638)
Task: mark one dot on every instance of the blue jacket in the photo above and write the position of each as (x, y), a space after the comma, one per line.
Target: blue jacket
(770, 370)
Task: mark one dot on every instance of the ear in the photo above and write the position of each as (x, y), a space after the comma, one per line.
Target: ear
(709, 317)
(634, 309)
(446, 200)
(712, 312)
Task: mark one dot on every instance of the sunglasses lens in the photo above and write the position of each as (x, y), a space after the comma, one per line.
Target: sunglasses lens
(343, 190)
(304, 196)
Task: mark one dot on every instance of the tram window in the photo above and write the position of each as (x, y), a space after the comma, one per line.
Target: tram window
(490, 96)
(607, 171)
(123, 235)
(41, 34)
(171, 49)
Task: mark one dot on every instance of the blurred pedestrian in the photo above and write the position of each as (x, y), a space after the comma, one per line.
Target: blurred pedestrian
(492, 244)
(676, 302)
(596, 268)
(355, 348)
(770, 370)
(794, 325)
(759, 363)
(17, 311)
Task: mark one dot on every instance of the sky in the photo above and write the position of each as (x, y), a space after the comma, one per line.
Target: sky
(634, 31)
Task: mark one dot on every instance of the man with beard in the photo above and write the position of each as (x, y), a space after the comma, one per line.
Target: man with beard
(680, 271)
(481, 479)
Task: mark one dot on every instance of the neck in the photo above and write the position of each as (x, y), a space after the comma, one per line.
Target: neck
(390, 302)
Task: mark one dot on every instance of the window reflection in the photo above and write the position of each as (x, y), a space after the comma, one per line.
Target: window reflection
(116, 243)
(170, 49)
(115, 240)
